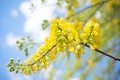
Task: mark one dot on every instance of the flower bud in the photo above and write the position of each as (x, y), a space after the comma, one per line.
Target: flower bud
(18, 59)
(11, 59)
(8, 65)
(12, 69)
(17, 42)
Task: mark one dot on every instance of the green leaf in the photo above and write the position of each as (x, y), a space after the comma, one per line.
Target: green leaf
(12, 69)
(8, 65)
(11, 59)
(45, 24)
(26, 51)
(17, 42)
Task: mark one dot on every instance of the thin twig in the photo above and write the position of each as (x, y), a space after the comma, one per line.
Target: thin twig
(97, 50)
(116, 59)
(45, 53)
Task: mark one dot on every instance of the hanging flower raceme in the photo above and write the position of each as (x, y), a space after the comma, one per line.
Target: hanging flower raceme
(91, 35)
(64, 36)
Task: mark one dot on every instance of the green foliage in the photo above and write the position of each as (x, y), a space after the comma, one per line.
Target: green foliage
(45, 24)
(25, 44)
(14, 66)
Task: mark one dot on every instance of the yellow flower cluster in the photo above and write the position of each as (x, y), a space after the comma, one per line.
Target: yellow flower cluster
(91, 35)
(32, 64)
(63, 36)
(68, 33)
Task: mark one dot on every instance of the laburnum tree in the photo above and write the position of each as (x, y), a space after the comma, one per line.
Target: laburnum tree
(85, 46)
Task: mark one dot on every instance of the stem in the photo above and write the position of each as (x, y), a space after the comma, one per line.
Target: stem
(45, 53)
(90, 33)
(97, 50)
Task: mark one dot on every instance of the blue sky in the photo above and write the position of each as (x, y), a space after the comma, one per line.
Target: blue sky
(11, 22)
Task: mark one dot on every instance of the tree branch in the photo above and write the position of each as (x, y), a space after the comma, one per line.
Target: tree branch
(88, 8)
(97, 50)
(45, 53)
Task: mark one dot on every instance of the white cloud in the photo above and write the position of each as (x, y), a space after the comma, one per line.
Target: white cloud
(11, 39)
(14, 13)
(25, 8)
(14, 76)
(34, 19)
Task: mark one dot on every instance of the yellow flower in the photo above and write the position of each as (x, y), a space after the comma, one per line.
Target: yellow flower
(82, 51)
(62, 21)
(85, 41)
(92, 47)
(77, 41)
(83, 35)
(78, 47)
(77, 54)
(36, 67)
(71, 49)
(97, 27)
(70, 37)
